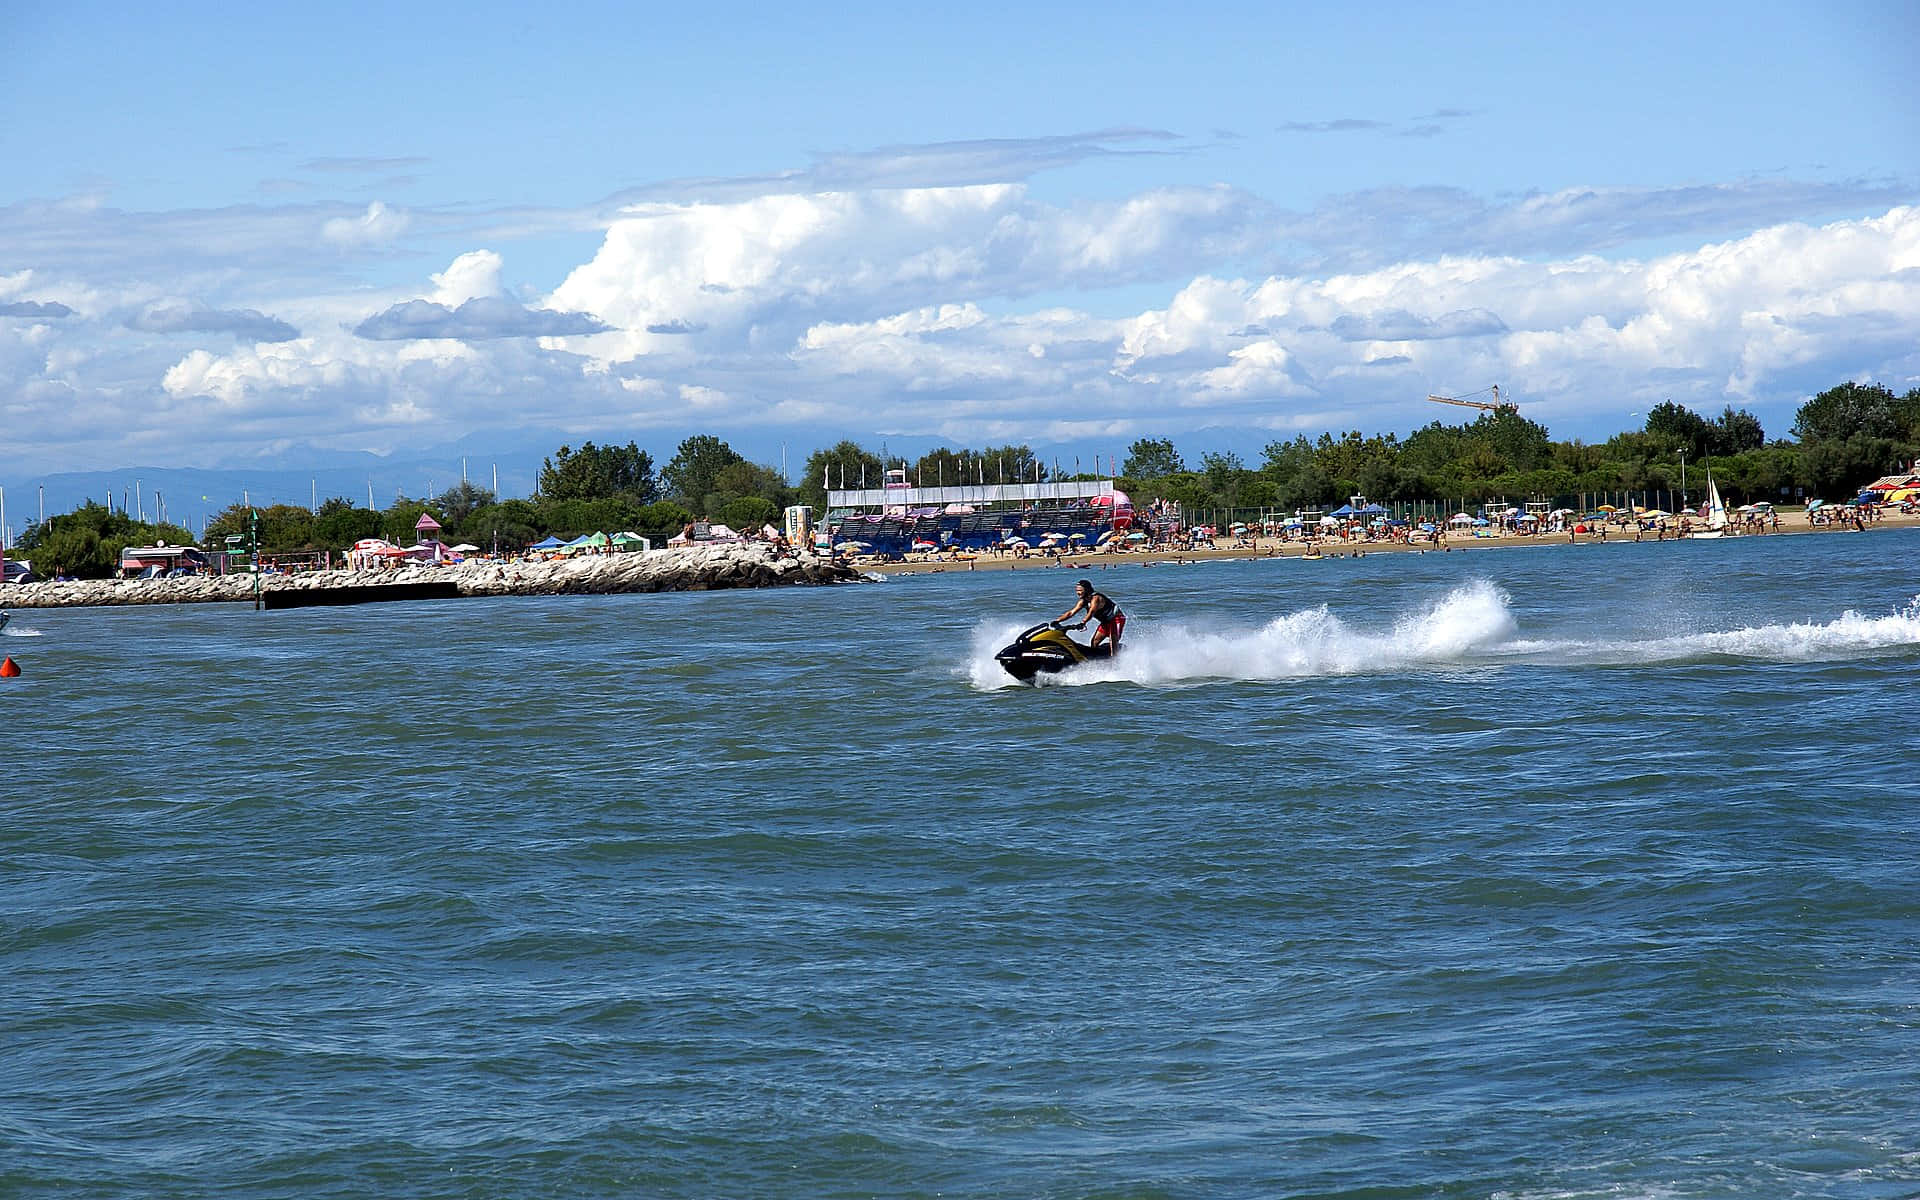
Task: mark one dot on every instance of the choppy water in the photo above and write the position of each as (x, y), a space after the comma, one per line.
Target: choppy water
(1583, 872)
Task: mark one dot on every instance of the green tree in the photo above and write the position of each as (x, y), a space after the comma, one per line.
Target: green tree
(843, 465)
(691, 475)
(598, 473)
(747, 514)
(462, 499)
(86, 542)
(1735, 433)
(1849, 410)
(1678, 427)
(660, 520)
(1152, 458)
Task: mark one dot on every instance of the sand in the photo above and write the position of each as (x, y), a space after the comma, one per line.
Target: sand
(1094, 560)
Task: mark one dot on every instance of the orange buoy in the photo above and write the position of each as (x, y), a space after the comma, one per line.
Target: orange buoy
(9, 669)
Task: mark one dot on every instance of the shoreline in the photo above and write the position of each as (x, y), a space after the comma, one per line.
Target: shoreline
(721, 565)
(1272, 548)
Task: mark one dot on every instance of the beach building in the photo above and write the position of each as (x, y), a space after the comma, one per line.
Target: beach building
(895, 518)
(148, 561)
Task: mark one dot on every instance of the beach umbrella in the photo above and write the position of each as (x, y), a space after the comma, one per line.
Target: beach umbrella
(1813, 504)
(1479, 521)
(1076, 537)
(1106, 537)
(855, 546)
(1655, 514)
(1136, 536)
(1426, 527)
(1561, 512)
(1460, 519)
(926, 546)
(1013, 540)
(1606, 508)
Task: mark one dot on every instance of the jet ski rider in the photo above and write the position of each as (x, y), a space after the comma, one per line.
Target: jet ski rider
(1101, 608)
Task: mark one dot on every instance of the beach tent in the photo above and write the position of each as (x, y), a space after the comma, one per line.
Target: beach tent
(1345, 510)
(547, 543)
(630, 541)
(1371, 510)
(464, 548)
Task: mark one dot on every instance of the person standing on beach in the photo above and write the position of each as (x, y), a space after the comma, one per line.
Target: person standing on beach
(1099, 607)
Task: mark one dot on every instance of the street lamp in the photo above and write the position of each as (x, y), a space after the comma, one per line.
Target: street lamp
(1683, 479)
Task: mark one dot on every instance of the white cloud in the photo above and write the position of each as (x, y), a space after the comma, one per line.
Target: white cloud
(379, 224)
(911, 311)
(471, 276)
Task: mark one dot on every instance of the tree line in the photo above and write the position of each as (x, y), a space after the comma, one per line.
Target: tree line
(1842, 438)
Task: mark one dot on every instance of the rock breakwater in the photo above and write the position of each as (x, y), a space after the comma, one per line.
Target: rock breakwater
(680, 569)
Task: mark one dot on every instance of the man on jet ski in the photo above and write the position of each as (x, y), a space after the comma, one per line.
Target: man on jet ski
(1101, 608)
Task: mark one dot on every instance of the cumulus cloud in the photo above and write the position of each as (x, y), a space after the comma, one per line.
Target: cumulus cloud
(770, 267)
(378, 224)
(471, 276)
(246, 324)
(35, 308)
(479, 319)
(914, 310)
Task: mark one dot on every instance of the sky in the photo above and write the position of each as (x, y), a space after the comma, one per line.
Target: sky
(232, 235)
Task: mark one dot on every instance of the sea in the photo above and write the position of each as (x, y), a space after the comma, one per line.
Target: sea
(1572, 872)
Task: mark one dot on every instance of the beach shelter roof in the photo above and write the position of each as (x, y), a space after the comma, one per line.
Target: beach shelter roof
(426, 521)
(464, 548)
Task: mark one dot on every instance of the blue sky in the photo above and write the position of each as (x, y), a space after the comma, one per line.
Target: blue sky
(232, 232)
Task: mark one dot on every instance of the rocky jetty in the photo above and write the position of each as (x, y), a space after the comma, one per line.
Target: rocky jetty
(698, 568)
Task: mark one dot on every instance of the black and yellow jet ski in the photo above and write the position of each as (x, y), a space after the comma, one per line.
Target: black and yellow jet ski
(1047, 650)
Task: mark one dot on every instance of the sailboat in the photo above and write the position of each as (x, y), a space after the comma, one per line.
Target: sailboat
(1716, 511)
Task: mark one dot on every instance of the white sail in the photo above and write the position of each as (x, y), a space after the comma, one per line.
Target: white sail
(1716, 508)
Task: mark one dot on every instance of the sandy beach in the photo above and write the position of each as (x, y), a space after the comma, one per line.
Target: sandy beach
(1265, 547)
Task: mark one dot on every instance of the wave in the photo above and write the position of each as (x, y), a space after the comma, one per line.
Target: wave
(1846, 636)
(1471, 625)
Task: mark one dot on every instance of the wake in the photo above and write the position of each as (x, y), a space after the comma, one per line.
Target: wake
(1471, 625)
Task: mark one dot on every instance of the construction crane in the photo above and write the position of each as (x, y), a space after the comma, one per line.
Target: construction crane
(1496, 405)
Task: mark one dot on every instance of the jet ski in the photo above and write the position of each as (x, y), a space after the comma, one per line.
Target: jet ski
(1046, 650)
